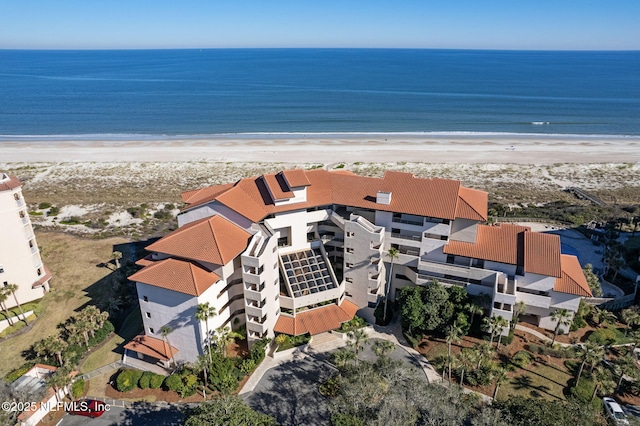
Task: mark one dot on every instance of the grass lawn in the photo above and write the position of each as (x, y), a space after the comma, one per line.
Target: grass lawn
(111, 351)
(77, 280)
(537, 381)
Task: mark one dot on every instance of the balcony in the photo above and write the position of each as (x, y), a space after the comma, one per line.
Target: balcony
(407, 236)
(255, 304)
(415, 222)
(20, 201)
(257, 320)
(539, 301)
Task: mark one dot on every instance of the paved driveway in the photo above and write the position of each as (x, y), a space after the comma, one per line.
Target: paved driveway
(139, 414)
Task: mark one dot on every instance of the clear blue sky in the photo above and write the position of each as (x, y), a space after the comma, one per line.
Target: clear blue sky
(472, 24)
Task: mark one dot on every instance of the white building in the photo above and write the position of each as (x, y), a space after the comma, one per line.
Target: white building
(20, 261)
(302, 251)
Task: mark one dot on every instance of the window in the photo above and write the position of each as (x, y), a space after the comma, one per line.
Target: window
(148, 314)
(275, 248)
(151, 330)
(351, 234)
(450, 258)
(277, 296)
(349, 265)
(349, 280)
(39, 271)
(16, 197)
(145, 298)
(349, 250)
(1, 269)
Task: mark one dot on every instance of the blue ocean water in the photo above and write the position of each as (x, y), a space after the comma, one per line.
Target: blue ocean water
(168, 93)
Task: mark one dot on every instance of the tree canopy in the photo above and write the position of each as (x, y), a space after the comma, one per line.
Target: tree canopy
(226, 411)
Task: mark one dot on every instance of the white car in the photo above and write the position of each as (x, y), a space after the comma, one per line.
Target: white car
(614, 411)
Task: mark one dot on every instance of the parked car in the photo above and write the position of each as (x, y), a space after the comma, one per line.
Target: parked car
(87, 407)
(614, 412)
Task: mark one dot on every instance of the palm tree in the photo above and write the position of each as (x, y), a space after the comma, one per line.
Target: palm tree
(625, 366)
(59, 380)
(165, 330)
(203, 313)
(453, 335)
(501, 324)
(55, 345)
(465, 362)
(562, 317)
(343, 356)
(599, 316)
(3, 298)
(589, 353)
(358, 338)
(602, 380)
(473, 310)
(499, 377)
(493, 324)
(392, 254)
(634, 336)
(202, 364)
(84, 326)
(382, 347)
(518, 310)
(12, 288)
(631, 317)
(482, 352)
(224, 338)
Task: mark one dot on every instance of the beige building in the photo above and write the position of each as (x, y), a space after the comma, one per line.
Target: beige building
(301, 252)
(20, 261)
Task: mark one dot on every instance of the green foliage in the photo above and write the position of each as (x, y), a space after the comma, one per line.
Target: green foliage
(604, 336)
(339, 166)
(128, 379)
(258, 350)
(101, 334)
(44, 206)
(54, 210)
(506, 340)
(34, 213)
(223, 373)
(293, 341)
(541, 413)
(584, 390)
(247, 366)
(174, 383)
(340, 419)
(227, 411)
(561, 352)
(19, 372)
(592, 280)
(353, 324)
(522, 359)
(155, 381)
(145, 380)
(330, 388)
(78, 388)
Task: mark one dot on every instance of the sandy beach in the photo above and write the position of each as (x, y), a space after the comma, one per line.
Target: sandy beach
(333, 148)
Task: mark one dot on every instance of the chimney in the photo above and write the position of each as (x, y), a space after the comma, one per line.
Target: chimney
(383, 198)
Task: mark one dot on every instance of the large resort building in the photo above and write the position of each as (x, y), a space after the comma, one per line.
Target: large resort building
(20, 261)
(302, 251)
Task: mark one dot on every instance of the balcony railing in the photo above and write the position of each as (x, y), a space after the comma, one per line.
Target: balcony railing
(408, 221)
(414, 237)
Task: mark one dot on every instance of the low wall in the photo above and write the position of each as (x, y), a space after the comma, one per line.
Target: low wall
(4, 324)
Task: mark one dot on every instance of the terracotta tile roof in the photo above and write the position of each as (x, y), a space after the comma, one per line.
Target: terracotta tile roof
(145, 261)
(213, 239)
(502, 243)
(151, 346)
(423, 197)
(277, 185)
(47, 276)
(542, 254)
(572, 280)
(206, 194)
(316, 321)
(12, 183)
(296, 177)
(177, 275)
(472, 204)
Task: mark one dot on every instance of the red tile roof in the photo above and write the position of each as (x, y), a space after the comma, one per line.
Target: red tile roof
(151, 346)
(209, 193)
(40, 282)
(441, 198)
(12, 183)
(177, 275)
(213, 239)
(572, 280)
(277, 185)
(538, 253)
(316, 321)
(542, 254)
(494, 243)
(296, 178)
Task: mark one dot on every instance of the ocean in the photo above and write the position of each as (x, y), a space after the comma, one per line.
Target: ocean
(195, 93)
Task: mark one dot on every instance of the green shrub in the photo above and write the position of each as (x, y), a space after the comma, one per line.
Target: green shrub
(101, 334)
(258, 350)
(353, 324)
(174, 383)
(78, 388)
(44, 206)
(19, 372)
(155, 381)
(522, 359)
(584, 390)
(562, 352)
(128, 379)
(247, 366)
(53, 211)
(189, 382)
(603, 336)
(34, 213)
(506, 340)
(331, 387)
(145, 380)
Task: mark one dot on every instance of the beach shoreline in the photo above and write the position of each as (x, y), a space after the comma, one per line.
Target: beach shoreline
(333, 147)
